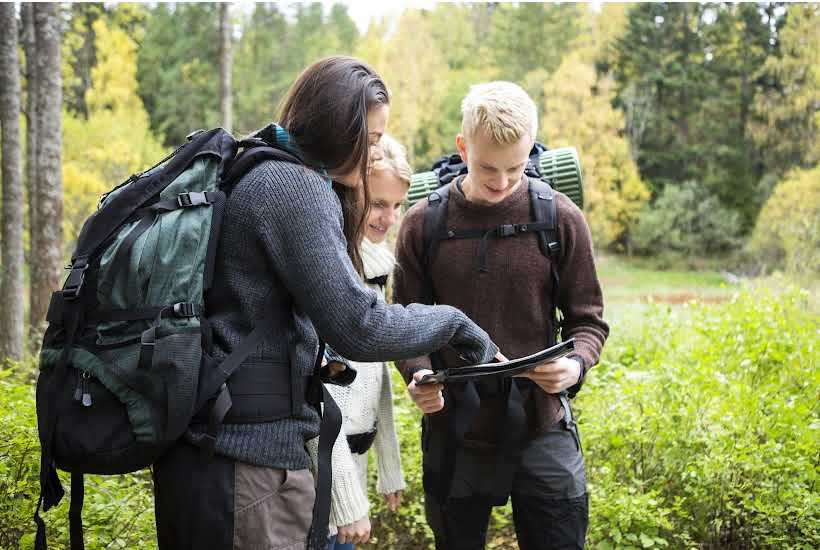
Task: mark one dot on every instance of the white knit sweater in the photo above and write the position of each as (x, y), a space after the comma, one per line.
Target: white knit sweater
(366, 403)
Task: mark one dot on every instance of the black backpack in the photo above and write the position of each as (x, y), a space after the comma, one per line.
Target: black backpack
(126, 364)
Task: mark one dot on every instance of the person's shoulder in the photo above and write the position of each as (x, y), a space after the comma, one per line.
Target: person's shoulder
(279, 180)
(567, 210)
(414, 217)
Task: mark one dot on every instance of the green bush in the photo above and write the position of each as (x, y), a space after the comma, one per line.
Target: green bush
(118, 510)
(700, 428)
(685, 221)
(787, 233)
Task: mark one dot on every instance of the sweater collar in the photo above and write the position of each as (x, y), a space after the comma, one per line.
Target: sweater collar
(511, 202)
(277, 136)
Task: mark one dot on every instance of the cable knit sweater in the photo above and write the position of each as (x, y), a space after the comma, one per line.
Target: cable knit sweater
(366, 403)
(282, 251)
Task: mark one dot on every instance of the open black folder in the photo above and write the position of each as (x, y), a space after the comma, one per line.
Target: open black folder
(507, 368)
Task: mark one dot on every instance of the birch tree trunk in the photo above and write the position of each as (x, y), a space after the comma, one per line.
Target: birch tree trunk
(29, 47)
(225, 66)
(48, 230)
(11, 254)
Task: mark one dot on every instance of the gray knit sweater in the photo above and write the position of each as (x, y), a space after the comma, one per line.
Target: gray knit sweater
(282, 243)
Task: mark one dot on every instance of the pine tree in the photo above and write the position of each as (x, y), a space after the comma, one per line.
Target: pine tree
(786, 114)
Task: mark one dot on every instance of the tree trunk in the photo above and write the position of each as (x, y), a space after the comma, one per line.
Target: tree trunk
(225, 66)
(11, 255)
(48, 231)
(29, 47)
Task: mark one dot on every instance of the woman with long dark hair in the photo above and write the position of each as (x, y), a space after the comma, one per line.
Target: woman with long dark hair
(288, 252)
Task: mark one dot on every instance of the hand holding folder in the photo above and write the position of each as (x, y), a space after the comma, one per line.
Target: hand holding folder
(502, 369)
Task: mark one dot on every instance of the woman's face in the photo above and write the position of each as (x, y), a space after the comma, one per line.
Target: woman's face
(387, 193)
(376, 124)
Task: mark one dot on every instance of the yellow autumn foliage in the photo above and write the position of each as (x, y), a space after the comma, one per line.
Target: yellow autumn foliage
(787, 232)
(115, 141)
(578, 112)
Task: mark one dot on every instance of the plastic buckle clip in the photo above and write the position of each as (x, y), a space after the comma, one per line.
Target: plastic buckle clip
(505, 231)
(184, 309)
(192, 199)
(74, 282)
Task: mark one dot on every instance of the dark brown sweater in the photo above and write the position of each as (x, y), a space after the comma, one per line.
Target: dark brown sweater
(512, 301)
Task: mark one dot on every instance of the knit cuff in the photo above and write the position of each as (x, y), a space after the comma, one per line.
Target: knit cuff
(390, 481)
(348, 502)
(575, 388)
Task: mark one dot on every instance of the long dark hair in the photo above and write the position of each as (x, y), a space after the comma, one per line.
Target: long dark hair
(325, 112)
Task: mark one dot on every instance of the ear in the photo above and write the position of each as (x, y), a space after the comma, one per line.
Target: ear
(461, 147)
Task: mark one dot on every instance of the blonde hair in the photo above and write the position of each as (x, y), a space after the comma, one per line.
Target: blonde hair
(393, 159)
(503, 110)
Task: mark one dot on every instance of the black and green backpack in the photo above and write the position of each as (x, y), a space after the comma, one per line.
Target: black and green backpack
(126, 364)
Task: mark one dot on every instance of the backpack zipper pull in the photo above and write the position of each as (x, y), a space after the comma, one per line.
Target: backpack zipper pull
(86, 391)
(78, 391)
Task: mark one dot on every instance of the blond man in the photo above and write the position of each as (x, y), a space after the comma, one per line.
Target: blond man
(484, 442)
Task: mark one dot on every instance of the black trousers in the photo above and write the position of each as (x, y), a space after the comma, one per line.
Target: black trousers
(540, 524)
(550, 504)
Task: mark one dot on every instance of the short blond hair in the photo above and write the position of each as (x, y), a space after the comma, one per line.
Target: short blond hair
(393, 159)
(503, 110)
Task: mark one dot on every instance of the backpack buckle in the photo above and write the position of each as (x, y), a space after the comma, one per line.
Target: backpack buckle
(554, 246)
(192, 199)
(505, 231)
(74, 282)
(184, 309)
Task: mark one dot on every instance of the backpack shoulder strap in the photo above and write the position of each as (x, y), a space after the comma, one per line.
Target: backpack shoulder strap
(435, 222)
(542, 204)
(256, 151)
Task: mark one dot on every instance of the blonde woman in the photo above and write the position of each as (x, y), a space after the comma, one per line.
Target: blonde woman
(367, 403)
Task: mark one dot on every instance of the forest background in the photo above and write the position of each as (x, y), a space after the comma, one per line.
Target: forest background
(697, 128)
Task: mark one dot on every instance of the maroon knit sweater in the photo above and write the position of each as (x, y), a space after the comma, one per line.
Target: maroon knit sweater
(512, 301)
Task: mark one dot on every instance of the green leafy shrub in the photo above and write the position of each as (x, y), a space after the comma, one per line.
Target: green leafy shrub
(701, 428)
(118, 510)
(686, 220)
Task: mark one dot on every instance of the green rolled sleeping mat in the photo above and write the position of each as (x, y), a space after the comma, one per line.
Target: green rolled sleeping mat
(561, 168)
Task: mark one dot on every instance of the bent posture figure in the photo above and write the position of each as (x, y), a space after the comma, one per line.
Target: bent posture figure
(283, 255)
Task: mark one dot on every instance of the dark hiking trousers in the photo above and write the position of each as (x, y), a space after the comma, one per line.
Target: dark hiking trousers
(220, 503)
(550, 504)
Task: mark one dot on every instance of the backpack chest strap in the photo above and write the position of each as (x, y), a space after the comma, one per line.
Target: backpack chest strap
(499, 232)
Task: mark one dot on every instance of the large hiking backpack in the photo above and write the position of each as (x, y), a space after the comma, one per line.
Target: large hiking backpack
(126, 362)
(547, 171)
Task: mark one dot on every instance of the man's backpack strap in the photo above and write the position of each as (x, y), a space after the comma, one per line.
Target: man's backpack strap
(544, 212)
(435, 218)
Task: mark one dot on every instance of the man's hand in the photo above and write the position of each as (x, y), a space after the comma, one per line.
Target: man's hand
(555, 376)
(427, 397)
(358, 531)
(393, 500)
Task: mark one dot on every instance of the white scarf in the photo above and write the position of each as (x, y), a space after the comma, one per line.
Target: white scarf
(378, 259)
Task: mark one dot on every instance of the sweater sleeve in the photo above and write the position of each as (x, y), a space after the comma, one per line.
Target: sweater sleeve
(388, 458)
(348, 501)
(579, 297)
(408, 278)
(299, 221)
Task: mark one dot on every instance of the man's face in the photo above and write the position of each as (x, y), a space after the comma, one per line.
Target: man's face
(494, 171)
